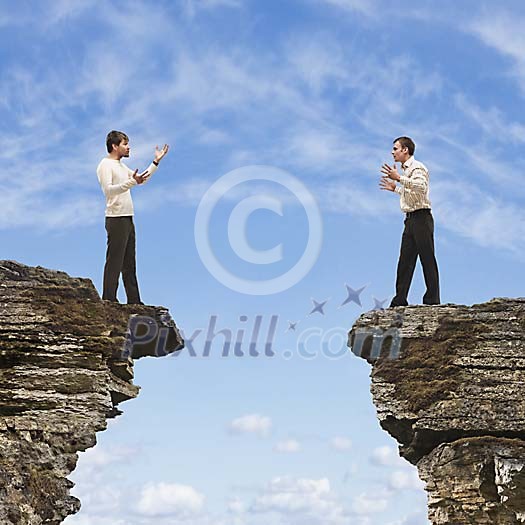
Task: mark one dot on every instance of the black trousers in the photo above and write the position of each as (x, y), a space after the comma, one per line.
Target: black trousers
(417, 240)
(120, 258)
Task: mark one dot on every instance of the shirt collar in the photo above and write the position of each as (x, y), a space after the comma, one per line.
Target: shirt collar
(408, 163)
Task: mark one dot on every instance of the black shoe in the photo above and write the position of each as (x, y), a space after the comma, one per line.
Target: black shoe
(393, 305)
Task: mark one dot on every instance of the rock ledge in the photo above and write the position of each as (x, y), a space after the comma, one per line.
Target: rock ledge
(66, 362)
(448, 382)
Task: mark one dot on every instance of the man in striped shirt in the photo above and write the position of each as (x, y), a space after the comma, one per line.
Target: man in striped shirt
(418, 235)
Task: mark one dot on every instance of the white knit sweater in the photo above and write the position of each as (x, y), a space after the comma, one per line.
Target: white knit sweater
(116, 179)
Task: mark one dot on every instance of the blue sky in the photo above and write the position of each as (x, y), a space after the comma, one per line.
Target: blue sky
(317, 89)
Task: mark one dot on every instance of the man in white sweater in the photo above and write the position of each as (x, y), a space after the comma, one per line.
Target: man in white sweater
(116, 180)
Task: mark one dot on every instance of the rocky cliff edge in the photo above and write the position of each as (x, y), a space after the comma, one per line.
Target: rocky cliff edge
(66, 362)
(448, 384)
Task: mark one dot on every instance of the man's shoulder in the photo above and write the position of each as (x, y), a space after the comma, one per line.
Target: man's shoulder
(416, 164)
(103, 162)
(107, 163)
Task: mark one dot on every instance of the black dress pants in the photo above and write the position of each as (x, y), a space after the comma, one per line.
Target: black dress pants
(120, 258)
(417, 240)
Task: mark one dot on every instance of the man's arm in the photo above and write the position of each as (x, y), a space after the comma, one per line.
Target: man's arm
(144, 176)
(417, 182)
(386, 184)
(152, 168)
(112, 190)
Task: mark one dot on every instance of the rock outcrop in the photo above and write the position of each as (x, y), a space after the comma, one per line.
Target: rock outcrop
(448, 384)
(66, 362)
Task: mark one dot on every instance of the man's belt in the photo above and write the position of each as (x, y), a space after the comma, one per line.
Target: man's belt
(416, 212)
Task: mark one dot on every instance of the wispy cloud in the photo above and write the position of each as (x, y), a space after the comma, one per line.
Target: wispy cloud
(64, 10)
(503, 32)
(386, 456)
(415, 518)
(367, 7)
(365, 503)
(170, 499)
(407, 479)
(288, 446)
(492, 122)
(295, 499)
(341, 443)
(489, 221)
(251, 424)
(192, 7)
(312, 84)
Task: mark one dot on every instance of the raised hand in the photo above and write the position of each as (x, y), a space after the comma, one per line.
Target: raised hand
(140, 178)
(390, 172)
(159, 153)
(386, 184)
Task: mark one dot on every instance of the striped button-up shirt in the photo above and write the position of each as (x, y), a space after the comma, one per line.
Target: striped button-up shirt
(414, 187)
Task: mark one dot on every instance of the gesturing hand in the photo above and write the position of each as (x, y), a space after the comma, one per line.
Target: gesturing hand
(390, 172)
(387, 184)
(159, 153)
(140, 178)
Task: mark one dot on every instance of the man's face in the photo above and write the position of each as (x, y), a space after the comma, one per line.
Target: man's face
(399, 152)
(123, 149)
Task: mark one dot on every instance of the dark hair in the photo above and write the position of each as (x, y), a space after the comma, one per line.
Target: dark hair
(406, 142)
(115, 137)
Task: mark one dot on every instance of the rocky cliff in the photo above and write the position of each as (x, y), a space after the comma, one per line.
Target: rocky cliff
(66, 362)
(448, 384)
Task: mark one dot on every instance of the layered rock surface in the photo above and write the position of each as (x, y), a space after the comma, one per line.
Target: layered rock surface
(66, 362)
(448, 384)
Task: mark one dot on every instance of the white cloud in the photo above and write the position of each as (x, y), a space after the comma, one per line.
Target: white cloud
(104, 76)
(492, 122)
(100, 456)
(340, 443)
(251, 424)
(200, 81)
(170, 499)
(386, 456)
(322, 149)
(91, 483)
(416, 518)
(95, 519)
(357, 200)
(41, 16)
(192, 7)
(65, 10)
(318, 62)
(25, 208)
(98, 500)
(369, 504)
(214, 136)
(187, 193)
(406, 479)
(236, 506)
(366, 7)
(489, 221)
(301, 500)
(288, 446)
(503, 31)
(231, 81)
